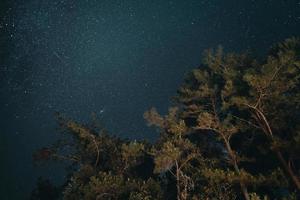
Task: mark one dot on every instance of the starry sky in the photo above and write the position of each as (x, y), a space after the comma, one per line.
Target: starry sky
(114, 58)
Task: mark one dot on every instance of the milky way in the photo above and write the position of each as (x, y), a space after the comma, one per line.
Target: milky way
(112, 58)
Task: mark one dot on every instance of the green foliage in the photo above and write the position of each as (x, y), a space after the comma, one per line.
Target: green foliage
(108, 186)
(233, 134)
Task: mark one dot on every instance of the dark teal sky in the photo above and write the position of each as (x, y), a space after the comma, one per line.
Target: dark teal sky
(115, 58)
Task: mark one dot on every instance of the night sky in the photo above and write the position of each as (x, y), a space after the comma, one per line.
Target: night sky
(111, 57)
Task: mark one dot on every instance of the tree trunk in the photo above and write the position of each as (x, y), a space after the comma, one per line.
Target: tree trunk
(262, 120)
(178, 181)
(242, 184)
(236, 168)
(288, 169)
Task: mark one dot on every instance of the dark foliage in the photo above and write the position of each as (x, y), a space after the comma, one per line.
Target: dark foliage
(233, 133)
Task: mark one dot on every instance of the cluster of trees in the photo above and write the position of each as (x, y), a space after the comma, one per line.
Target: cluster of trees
(233, 132)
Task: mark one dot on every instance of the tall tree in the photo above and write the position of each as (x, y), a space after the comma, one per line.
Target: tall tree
(233, 133)
(234, 96)
(174, 153)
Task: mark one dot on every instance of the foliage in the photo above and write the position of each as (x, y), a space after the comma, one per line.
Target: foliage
(233, 133)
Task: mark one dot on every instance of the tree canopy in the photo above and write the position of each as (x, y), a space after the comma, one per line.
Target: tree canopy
(232, 133)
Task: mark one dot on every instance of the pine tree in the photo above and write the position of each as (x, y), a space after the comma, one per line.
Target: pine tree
(174, 153)
(233, 133)
(236, 96)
